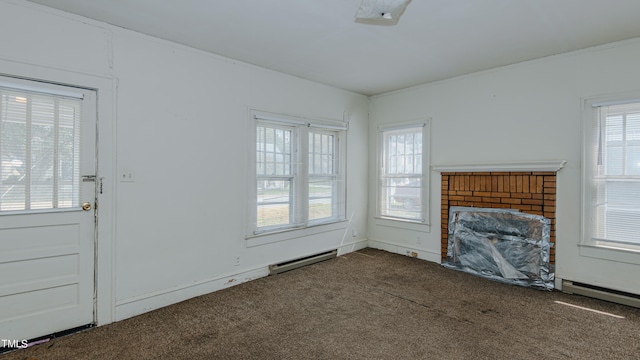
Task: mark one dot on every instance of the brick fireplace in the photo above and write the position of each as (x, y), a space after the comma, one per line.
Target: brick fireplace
(532, 192)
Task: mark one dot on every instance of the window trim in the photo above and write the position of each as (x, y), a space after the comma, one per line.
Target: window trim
(589, 244)
(425, 178)
(300, 194)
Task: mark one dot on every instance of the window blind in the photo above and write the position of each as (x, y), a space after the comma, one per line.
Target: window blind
(39, 150)
(616, 175)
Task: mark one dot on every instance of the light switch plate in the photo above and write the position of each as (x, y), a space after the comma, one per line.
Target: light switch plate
(127, 175)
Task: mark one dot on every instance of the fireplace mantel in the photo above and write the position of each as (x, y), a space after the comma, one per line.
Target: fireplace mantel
(544, 165)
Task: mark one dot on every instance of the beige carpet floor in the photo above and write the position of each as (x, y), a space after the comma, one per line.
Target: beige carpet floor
(365, 305)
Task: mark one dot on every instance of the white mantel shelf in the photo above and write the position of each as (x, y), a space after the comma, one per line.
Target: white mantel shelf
(545, 165)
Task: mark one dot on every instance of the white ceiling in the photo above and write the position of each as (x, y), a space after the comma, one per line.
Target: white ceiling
(321, 41)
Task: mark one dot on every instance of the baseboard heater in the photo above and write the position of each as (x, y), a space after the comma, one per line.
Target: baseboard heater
(297, 263)
(597, 292)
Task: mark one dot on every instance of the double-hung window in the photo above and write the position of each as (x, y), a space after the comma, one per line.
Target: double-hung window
(613, 175)
(324, 180)
(276, 174)
(403, 168)
(299, 173)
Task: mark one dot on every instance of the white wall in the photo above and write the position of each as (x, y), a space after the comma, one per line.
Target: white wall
(183, 128)
(177, 119)
(525, 112)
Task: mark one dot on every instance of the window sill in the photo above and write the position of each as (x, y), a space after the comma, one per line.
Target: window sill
(627, 255)
(403, 224)
(288, 234)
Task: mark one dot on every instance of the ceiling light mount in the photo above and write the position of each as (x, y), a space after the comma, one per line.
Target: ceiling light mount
(381, 12)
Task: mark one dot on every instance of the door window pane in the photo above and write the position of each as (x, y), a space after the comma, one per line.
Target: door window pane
(39, 151)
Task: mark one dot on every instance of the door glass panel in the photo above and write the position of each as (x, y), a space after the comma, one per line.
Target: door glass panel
(39, 151)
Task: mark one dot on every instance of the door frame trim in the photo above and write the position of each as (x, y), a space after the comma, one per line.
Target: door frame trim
(105, 87)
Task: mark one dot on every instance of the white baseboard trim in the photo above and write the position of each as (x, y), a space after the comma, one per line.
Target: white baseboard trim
(141, 304)
(352, 246)
(558, 283)
(404, 250)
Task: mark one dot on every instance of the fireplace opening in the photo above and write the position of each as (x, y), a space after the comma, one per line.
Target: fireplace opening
(500, 244)
(528, 193)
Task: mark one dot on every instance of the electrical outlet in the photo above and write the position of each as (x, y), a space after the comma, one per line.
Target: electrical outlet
(237, 260)
(419, 240)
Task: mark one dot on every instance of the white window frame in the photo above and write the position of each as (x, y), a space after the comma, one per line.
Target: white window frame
(335, 176)
(299, 195)
(292, 175)
(590, 244)
(425, 125)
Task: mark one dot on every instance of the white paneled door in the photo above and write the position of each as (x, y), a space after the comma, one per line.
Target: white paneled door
(47, 208)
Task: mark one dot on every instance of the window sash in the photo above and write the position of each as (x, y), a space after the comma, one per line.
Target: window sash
(274, 150)
(403, 152)
(323, 174)
(401, 181)
(275, 203)
(401, 197)
(323, 203)
(276, 175)
(322, 152)
(615, 178)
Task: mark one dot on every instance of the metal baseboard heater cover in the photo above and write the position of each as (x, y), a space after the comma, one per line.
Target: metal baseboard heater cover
(297, 263)
(596, 292)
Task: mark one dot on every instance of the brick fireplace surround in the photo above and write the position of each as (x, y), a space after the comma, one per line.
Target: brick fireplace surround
(532, 192)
